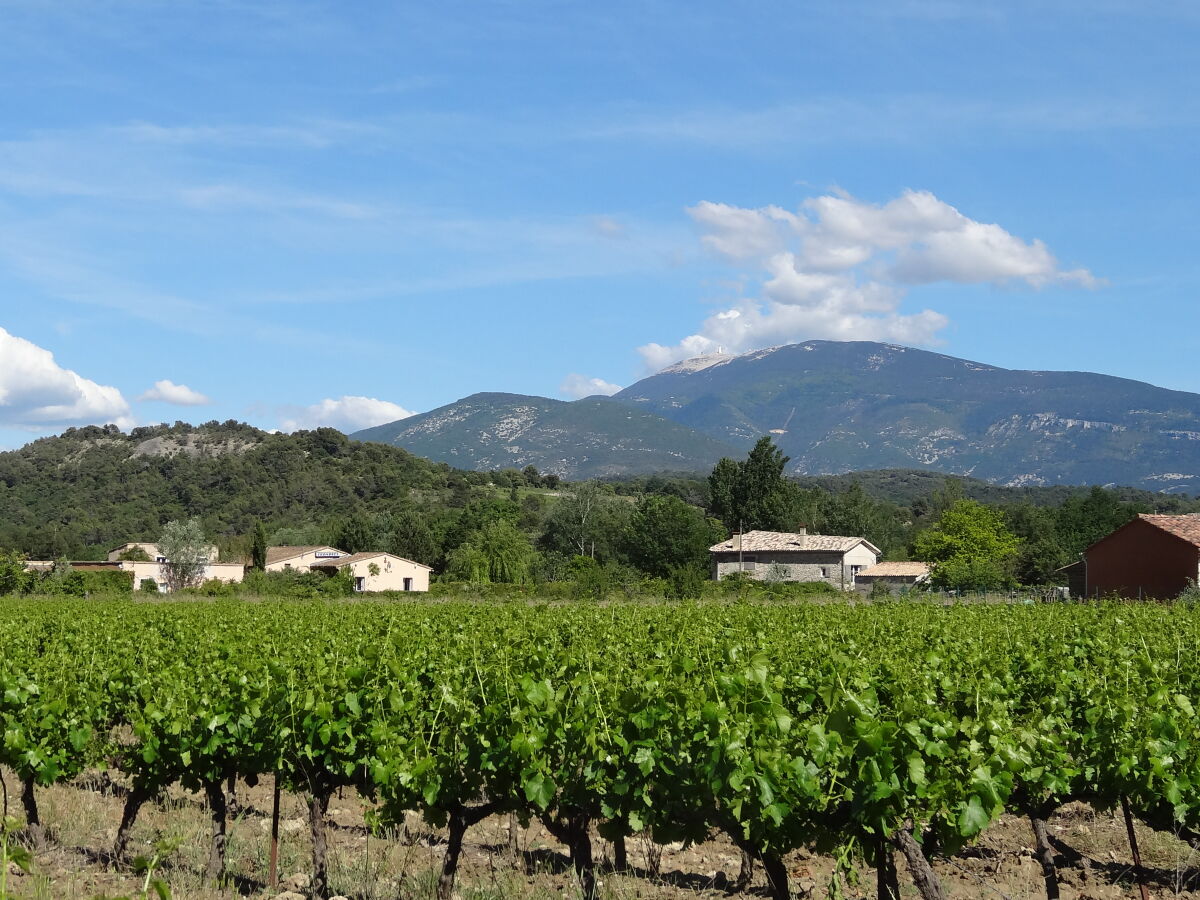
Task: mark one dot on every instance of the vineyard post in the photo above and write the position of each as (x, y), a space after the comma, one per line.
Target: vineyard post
(1138, 871)
(274, 864)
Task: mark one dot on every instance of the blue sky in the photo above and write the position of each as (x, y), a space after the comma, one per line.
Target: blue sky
(328, 213)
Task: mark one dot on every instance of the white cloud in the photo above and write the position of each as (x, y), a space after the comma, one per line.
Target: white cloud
(345, 414)
(839, 269)
(576, 386)
(607, 226)
(36, 392)
(169, 392)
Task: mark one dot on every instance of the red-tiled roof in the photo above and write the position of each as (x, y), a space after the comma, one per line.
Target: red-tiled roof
(1186, 527)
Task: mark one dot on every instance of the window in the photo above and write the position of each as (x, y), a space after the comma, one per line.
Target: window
(824, 572)
(749, 563)
(854, 570)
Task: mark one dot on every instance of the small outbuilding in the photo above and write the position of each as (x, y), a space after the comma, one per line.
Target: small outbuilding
(1149, 556)
(794, 556)
(375, 571)
(897, 576)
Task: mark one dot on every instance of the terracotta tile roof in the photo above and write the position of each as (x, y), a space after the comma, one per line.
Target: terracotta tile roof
(908, 569)
(279, 554)
(359, 557)
(760, 541)
(1186, 527)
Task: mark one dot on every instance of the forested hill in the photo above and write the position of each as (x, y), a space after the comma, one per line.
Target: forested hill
(94, 487)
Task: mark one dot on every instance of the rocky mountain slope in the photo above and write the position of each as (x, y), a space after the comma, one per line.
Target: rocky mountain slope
(844, 406)
(836, 407)
(588, 438)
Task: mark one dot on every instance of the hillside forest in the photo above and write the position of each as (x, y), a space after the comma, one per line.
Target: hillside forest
(77, 495)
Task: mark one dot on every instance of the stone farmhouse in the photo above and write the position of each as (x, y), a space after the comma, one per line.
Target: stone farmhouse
(1150, 556)
(794, 556)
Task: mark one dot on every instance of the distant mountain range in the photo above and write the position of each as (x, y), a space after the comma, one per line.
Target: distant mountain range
(590, 438)
(835, 407)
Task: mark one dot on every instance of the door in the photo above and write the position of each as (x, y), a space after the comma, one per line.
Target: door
(408, 584)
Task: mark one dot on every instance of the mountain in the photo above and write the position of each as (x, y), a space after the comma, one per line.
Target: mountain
(589, 438)
(837, 407)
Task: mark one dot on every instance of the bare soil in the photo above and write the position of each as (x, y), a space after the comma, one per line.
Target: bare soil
(1094, 858)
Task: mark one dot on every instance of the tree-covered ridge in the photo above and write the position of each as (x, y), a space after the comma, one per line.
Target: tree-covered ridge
(94, 487)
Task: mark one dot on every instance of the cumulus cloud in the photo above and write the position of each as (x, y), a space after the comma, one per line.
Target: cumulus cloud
(839, 268)
(169, 392)
(345, 414)
(36, 392)
(576, 386)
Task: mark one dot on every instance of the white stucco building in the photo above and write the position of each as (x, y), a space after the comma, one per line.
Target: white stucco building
(300, 559)
(376, 571)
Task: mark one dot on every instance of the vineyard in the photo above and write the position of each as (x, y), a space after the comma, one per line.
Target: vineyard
(877, 734)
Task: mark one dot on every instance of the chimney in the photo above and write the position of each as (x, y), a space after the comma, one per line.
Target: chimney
(803, 532)
(737, 542)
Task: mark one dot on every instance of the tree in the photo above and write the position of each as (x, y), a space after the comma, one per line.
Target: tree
(467, 563)
(497, 553)
(722, 488)
(412, 538)
(355, 535)
(508, 553)
(970, 548)
(1042, 552)
(586, 521)
(667, 534)
(13, 577)
(753, 494)
(186, 550)
(258, 549)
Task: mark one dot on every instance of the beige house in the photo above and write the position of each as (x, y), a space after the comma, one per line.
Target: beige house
(794, 556)
(231, 573)
(151, 551)
(300, 559)
(896, 576)
(375, 571)
(140, 570)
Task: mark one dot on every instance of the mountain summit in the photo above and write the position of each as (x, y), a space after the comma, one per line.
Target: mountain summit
(836, 407)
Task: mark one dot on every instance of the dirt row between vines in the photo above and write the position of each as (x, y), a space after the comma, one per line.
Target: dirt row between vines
(1095, 859)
